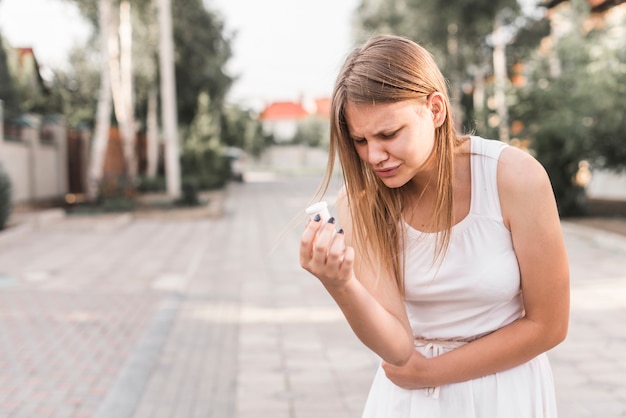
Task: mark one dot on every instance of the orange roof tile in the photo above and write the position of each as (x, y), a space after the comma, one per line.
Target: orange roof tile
(322, 106)
(283, 110)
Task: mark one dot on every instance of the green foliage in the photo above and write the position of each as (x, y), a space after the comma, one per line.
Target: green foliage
(7, 90)
(190, 190)
(202, 51)
(24, 92)
(240, 128)
(457, 33)
(147, 184)
(79, 87)
(556, 149)
(573, 107)
(5, 198)
(207, 168)
(203, 164)
(313, 132)
(456, 36)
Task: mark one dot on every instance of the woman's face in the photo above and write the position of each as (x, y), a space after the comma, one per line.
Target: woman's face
(394, 139)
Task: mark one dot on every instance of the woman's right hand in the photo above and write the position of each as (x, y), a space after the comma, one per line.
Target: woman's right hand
(324, 254)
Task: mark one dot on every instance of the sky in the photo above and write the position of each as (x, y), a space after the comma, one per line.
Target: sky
(282, 49)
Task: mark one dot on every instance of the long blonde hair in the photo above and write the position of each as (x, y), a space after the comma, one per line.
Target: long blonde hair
(389, 69)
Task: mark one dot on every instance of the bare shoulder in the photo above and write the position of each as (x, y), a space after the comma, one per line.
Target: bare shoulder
(517, 168)
(523, 185)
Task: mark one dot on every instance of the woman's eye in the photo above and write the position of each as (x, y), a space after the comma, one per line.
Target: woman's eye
(389, 135)
(359, 141)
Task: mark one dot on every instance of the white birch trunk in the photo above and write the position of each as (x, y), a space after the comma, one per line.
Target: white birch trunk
(168, 99)
(103, 112)
(120, 65)
(127, 126)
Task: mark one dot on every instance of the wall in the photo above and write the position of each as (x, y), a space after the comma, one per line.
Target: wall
(38, 168)
(607, 185)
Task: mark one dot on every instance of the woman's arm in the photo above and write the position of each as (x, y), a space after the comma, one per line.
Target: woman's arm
(372, 305)
(530, 212)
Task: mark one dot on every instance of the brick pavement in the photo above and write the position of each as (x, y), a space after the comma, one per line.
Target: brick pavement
(212, 317)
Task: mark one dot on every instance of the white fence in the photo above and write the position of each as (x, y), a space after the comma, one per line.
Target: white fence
(36, 159)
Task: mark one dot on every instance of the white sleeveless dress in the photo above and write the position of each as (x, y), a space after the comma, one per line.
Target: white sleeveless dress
(474, 291)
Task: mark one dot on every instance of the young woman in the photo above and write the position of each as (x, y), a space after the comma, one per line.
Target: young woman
(451, 264)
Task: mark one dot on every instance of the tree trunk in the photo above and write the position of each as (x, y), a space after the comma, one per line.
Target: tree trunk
(168, 99)
(500, 77)
(152, 135)
(103, 112)
(453, 51)
(120, 63)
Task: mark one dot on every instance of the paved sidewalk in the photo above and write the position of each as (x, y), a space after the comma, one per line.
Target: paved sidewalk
(154, 316)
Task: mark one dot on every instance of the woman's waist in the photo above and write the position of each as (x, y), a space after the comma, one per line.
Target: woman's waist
(432, 346)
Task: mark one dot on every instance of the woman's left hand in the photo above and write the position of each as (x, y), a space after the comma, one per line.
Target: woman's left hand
(410, 375)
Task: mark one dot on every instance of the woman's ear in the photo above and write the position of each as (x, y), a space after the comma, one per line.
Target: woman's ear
(437, 106)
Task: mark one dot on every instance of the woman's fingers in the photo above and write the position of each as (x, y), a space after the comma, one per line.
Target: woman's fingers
(323, 251)
(323, 242)
(307, 241)
(336, 250)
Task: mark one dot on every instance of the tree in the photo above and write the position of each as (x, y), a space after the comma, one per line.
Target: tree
(202, 51)
(459, 37)
(103, 113)
(197, 40)
(7, 90)
(312, 132)
(572, 105)
(240, 128)
(5, 197)
(168, 96)
(121, 74)
(115, 35)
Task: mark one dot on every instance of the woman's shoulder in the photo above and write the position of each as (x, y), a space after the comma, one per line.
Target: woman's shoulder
(523, 183)
(519, 167)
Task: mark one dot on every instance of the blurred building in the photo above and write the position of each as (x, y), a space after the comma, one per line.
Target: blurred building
(282, 118)
(33, 148)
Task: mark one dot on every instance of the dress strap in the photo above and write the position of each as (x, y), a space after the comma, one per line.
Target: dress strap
(484, 160)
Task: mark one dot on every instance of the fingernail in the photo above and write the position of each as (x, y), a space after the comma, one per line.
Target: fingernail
(340, 231)
(317, 218)
(331, 220)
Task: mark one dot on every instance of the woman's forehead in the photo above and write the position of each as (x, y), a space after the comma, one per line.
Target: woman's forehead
(376, 117)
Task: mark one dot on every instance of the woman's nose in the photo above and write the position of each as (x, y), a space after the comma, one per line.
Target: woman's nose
(376, 153)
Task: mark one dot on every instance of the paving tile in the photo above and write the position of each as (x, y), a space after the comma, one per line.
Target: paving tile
(214, 318)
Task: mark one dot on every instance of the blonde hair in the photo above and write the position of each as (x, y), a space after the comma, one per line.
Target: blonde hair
(389, 69)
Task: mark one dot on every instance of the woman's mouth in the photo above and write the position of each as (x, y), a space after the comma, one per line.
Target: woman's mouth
(386, 172)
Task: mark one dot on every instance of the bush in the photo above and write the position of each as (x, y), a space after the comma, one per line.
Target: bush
(147, 184)
(558, 150)
(210, 169)
(190, 189)
(5, 198)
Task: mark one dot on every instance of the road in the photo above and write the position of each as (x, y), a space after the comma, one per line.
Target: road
(175, 316)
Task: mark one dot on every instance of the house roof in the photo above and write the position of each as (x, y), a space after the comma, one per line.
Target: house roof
(283, 110)
(322, 107)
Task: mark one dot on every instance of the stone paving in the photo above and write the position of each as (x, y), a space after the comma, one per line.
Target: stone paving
(168, 316)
